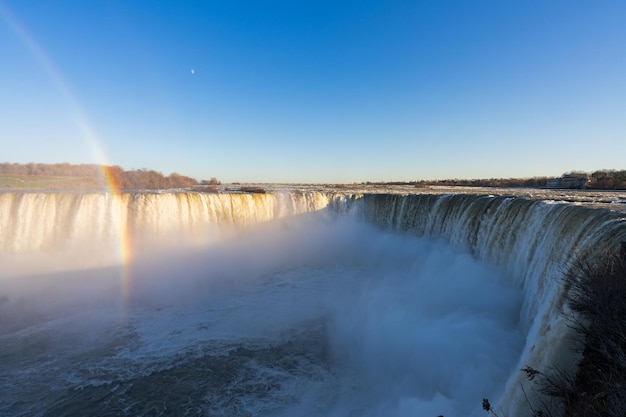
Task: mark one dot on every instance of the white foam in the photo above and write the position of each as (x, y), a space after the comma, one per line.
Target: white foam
(411, 326)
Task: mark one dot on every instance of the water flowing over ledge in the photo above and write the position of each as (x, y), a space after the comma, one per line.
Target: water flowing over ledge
(43, 221)
(533, 241)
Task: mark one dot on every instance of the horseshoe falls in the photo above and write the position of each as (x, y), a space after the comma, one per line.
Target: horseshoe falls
(285, 304)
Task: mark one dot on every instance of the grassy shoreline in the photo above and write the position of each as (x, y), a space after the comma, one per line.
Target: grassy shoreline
(47, 182)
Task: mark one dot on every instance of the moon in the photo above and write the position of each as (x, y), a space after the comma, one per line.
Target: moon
(193, 71)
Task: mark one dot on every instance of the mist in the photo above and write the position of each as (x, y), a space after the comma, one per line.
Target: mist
(309, 316)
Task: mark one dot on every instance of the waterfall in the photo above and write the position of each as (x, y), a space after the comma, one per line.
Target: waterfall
(44, 221)
(534, 242)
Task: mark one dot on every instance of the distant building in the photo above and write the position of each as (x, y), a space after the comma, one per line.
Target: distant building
(577, 181)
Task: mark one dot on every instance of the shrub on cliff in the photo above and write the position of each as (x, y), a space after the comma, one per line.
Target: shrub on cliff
(598, 297)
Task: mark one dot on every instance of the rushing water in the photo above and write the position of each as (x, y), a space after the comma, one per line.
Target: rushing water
(310, 309)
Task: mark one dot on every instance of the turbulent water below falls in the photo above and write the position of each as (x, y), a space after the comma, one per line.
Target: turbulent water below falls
(312, 305)
(316, 318)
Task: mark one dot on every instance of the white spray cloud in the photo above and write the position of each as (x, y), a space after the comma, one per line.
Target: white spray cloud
(408, 326)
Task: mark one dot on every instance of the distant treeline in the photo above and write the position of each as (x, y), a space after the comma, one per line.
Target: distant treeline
(90, 176)
(93, 175)
(605, 179)
(535, 182)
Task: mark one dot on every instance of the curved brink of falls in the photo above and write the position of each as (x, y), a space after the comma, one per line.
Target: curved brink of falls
(43, 221)
(533, 241)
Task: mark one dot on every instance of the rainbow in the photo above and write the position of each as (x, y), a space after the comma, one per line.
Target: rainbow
(110, 184)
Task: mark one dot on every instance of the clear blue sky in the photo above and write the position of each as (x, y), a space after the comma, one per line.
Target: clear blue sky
(316, 91)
